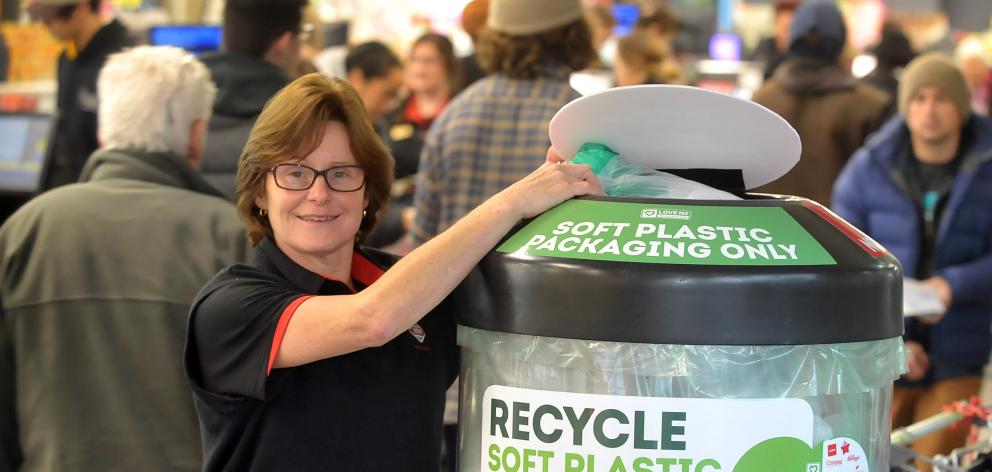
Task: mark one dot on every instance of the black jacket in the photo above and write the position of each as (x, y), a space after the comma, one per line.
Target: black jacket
(75, 130)
(244, 84)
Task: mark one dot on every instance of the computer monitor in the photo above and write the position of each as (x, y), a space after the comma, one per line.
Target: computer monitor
(23, 146)
(193, 38)
(336, 33)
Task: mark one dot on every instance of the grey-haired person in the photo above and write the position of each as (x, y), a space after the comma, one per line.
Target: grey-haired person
(98, 277)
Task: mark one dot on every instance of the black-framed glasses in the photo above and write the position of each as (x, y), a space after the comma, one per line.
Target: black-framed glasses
(300, 177)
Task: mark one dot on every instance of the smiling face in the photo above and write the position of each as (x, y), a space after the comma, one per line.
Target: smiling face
(316, 224)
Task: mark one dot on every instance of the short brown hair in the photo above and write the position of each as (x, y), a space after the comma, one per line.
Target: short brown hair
(641, 51)
(252, 27)
(601, 15)
(291, 126)
(520, 57)
(660, 17)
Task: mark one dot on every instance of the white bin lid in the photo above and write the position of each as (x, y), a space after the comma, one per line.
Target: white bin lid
(679, 127)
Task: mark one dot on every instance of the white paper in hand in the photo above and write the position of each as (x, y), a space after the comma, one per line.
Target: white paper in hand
(920, 300)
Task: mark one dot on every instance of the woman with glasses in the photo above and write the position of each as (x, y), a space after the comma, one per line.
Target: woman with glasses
(315, 356)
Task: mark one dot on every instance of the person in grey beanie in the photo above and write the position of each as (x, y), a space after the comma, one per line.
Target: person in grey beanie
(831, 111)
(922, 187)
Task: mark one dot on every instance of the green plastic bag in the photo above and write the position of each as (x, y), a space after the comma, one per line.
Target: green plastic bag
(622, 179)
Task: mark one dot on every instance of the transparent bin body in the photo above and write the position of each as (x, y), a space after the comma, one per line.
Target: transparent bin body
(847, 385)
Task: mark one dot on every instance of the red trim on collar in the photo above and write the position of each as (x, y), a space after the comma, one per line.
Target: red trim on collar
(332, 279)
(364, 270)
(281, 329)
(412, 113)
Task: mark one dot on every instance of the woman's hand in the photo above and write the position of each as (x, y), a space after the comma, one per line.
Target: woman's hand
(552, 183)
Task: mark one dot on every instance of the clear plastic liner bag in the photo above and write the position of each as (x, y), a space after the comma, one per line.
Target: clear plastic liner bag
(623, 179)
(847, 385)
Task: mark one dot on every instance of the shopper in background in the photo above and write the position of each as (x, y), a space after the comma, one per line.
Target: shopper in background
(892, 52)
(432, 78)
(974, 59)
(98, 277)
(89, 40)
(314, 356)
(261, 50)
(496, 132)
(640, 60)
(922, 187)
(473, 20)
(831, 111)
(377, 74)
(773, 50)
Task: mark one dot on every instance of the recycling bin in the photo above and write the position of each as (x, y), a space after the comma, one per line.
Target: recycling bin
(640, 334)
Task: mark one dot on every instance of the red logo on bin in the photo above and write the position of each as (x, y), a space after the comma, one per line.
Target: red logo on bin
(845, 448)
(831, 450)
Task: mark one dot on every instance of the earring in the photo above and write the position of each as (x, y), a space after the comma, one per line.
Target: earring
(262, 212)
(364, 212)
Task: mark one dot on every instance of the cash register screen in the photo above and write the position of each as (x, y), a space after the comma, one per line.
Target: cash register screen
(193, 38)
(23, 144)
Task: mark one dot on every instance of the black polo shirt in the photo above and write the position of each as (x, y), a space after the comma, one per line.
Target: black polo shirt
(374, 409)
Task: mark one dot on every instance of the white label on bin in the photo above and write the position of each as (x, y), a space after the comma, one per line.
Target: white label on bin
(540, 430)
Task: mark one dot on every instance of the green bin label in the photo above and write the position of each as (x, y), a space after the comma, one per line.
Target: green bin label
(669, 234)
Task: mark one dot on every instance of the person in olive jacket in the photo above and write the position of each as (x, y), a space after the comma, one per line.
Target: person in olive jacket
(98, 277)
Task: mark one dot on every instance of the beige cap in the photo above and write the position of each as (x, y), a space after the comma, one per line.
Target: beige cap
(938, 70)
(526, 17)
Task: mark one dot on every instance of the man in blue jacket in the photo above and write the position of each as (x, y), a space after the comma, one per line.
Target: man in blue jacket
(922, 187)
